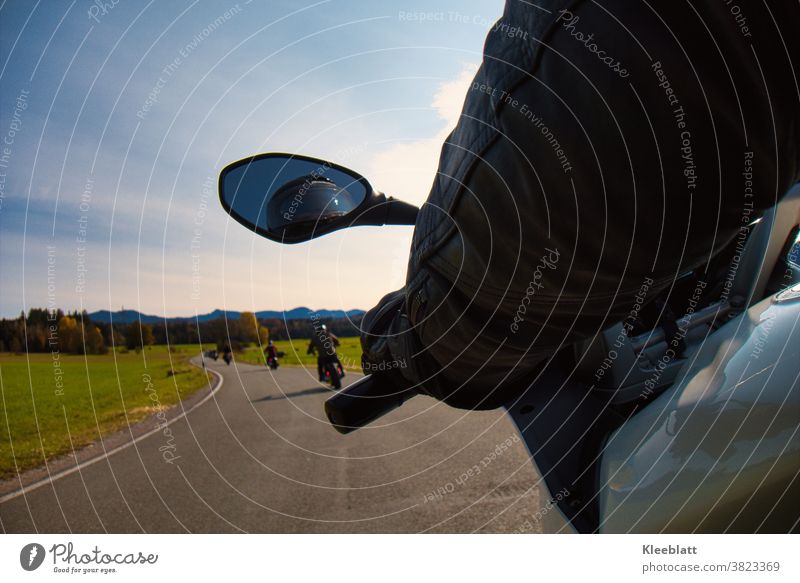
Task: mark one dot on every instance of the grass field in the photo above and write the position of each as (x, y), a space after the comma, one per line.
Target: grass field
(42, 409)
(349, 352)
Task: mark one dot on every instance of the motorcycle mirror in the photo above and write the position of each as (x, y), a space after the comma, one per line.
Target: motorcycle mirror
(290, 198)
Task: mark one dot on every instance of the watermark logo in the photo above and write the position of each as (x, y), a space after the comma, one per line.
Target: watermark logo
(549, 260)
(568, 21)
(100, 8)
(31, 556)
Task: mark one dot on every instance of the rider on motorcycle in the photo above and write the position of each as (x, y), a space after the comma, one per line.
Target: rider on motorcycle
(604, 149)
(227, 354)
(271, 353)
(323, 343)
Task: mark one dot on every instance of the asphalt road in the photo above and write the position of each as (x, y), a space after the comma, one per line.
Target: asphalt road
(259, 457)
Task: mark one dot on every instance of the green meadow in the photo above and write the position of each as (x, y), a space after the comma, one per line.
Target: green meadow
(48, 410)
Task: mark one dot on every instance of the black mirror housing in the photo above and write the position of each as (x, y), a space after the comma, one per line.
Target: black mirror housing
(290, 198)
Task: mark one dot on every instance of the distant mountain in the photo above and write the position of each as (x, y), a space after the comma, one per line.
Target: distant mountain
(123, 317)
(302, 313)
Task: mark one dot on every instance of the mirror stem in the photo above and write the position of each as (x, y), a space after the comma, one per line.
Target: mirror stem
(400, 213)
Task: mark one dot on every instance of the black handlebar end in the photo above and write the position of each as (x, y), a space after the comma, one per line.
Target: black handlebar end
(362, 403)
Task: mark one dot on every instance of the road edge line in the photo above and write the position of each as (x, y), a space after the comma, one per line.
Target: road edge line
(107, 454)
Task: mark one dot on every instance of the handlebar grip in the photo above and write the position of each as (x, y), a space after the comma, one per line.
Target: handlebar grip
(363, 402)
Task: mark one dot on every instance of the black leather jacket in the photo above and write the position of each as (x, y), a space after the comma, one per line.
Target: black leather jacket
(603, 147)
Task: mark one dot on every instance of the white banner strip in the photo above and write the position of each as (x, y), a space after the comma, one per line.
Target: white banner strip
(354, 558)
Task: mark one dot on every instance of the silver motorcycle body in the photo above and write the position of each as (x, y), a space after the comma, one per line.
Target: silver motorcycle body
(718, 448)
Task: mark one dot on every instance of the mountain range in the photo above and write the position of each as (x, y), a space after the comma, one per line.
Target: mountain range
(302, 313)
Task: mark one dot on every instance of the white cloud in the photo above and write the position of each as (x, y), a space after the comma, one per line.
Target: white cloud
(406, 170)
(449, 98)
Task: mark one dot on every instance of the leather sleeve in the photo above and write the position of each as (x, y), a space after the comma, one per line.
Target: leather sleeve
(600, 150)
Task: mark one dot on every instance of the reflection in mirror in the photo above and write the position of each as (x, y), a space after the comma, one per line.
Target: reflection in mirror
(290, 197)
(307, 202)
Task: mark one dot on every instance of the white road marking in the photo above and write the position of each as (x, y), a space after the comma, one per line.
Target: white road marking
(108, 454)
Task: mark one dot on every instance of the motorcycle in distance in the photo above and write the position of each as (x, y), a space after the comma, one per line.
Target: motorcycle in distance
(334, 373)
(688, 421)
(330, 369)
(272, 356)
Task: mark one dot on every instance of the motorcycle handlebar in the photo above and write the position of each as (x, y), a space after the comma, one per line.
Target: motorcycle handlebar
(363, 402)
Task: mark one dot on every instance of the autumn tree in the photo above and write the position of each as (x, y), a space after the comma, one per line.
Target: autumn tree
(69, 336)
(93, 340)
(248, 327)
(138, 335)
(77, 337)
(263, 335)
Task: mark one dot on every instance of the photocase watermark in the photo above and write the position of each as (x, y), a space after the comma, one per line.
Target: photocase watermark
(94, 560)
(530, 523)
(52, 323)
(169, 448)
(172, 67)
(792, 264)
(315, 175)
(627, 327)
(326, 346)
(101, 8)
(549, 260)
(764, 331)
(325, 339)
(297, 200)
(568, 21)
(462, 18)
(504, 29)
(679, 116)
(206, 194)
(66, 559)
(6, 147)
(84, 205)
(418, 16)
(383, 365)
(675, 343)
(748, 208)
(441, 16)
(739, 17)
(529, 114)
(31, 556)
(499, 450)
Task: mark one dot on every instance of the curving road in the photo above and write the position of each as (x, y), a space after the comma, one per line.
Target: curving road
(258, 456)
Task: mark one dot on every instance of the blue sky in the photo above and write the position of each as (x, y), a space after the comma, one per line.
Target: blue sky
(113, 119)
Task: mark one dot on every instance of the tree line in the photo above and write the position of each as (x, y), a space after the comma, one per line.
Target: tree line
(42, 330)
